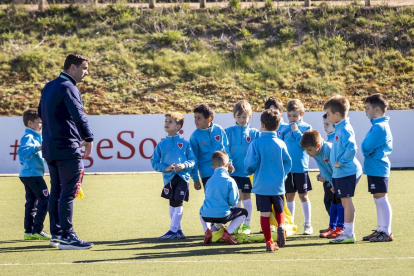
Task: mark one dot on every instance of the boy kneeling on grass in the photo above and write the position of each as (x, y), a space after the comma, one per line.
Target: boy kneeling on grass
(221, 194)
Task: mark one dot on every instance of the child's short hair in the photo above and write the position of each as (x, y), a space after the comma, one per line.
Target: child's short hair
(30, 114)
(177, 117)
(274, 101)
(270, 118)
(379, 100)
(339, 104)
(204, 109)
(242, 107)
(311, 138)
(295, 105)
(220, 159)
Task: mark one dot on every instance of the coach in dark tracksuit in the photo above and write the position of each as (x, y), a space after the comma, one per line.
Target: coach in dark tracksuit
(65, 131)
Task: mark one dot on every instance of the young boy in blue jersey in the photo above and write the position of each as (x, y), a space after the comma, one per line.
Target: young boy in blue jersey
(221, 194)
(327, 187)
(267, 157)
(175, 159)
(376, 147)
(346, 168)
(204, 141)
(240, 137)
(276, 104)
(298, 178)
(31, 175)
(317, 148)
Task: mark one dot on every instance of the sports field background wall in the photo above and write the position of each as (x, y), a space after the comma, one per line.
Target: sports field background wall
(124, 143)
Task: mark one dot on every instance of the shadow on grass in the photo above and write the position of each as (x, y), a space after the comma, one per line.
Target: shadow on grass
(29, 247)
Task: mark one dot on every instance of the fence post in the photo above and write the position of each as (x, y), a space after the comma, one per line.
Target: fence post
(307, 3)
(42, 5)
(152, 4)
(203, 4)
(368, 3)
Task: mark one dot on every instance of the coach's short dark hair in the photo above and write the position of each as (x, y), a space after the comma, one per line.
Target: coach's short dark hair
(378, 100)
(270, 118)
(204, 109)
(274, 101)
(311, 138)
(220, 159)
(339, 104)
(29, 114)
(74, 58)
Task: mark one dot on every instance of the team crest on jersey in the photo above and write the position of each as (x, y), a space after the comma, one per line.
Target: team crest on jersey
(180, 145)
(45, 192)
(279, 133)
(326, 160)
(248, 139)
(217, 137)
(166, 191)
(336, 138)
(167, 146)
(203, 143)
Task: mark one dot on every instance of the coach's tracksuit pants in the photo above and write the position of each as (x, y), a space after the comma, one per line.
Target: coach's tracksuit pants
(65, 178)
(35, 208)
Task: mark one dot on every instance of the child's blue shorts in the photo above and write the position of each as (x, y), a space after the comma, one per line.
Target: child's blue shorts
(243, 183)
(345, 186)
(298, 182)
(264, 203)
(377, 184)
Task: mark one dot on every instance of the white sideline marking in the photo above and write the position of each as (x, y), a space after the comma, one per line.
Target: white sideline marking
(214, 261)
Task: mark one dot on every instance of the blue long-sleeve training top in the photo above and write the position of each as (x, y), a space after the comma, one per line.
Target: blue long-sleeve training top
(376, 147)
(344, 150)
(204, 142)
(240, 137)
(173, 149)
(269, 160)
(63, 119)
(29, 155)
(322, 160)
(331, 137)
(300, 159)
(282, 124)
(220, 195)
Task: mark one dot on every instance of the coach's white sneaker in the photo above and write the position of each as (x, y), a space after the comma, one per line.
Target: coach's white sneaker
(307, 229)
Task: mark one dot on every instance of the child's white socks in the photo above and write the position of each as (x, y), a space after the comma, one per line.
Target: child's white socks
(306, 208)
(235, 223)
(386, 214)
(291, 207)
(247, 204)
(176, 218)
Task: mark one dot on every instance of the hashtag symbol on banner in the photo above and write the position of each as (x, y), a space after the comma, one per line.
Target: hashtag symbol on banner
(15, 146)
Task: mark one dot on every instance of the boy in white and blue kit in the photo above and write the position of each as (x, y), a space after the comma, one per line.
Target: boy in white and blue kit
(346, 168)
(174, 157)
(268, 159)
(298, 178)
(376, 147)
(204, 141)
(276, 104)
(317, 148)
(31, 175)
(221, 194)
(240, 137)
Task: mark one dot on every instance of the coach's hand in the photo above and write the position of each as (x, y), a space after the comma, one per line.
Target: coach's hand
(88, 148)
(337, 164)
(231, 168)
(197, 185)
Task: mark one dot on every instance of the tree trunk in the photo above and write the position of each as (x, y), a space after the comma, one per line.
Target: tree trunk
(368, 3)
(152, 4)
(307, 3)
(42, 5)
(203, 4)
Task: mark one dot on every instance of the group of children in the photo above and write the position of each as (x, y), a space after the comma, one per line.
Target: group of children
(277, 156)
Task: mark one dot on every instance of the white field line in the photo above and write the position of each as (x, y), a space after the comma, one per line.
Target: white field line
(213, 261)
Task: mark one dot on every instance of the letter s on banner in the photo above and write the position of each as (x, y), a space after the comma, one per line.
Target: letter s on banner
(128, 145)
(141, 147)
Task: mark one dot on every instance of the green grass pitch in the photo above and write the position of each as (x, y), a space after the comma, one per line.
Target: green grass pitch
(124, 214)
